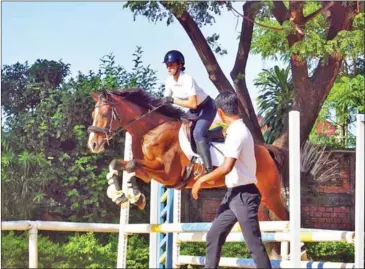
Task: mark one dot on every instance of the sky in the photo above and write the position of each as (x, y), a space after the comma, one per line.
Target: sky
(80, 33)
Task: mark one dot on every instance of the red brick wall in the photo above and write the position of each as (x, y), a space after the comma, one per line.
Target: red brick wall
(332, 207)
(326, 217)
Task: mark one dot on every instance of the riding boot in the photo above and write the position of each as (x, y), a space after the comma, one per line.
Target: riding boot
(203, 149)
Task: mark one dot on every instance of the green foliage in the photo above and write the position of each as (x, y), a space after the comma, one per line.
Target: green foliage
(138, 252)
(274, 101)
(202, 12)
(315, 44)
(85, 251)
(216, 47)
(331, 251)
(24, 86)
(46, 166)
(344, 102)
(13, 251)
(79, 251)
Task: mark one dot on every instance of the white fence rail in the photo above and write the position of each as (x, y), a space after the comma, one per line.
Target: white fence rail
(34, 226)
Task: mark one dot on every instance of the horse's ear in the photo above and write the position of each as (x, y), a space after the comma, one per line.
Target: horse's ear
(95, 96)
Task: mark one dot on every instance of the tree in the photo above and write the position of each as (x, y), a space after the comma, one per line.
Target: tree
(275, 100)
(314, 37)
(23, 87)
(344, 102)
(46, 167)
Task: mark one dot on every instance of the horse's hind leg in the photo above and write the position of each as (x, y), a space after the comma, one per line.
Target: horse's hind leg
(275, 204)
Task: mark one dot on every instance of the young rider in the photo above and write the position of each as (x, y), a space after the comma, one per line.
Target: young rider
(181, 89)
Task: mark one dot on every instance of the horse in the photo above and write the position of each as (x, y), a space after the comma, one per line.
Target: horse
(157, 154)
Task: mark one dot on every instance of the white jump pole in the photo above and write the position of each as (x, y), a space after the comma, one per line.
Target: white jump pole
(124, 211)
(33, 247)
(154, 202)
(359, 193)
(294, 188)
(177, 219)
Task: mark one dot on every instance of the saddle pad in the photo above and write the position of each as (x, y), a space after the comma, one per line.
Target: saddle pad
(217, 157)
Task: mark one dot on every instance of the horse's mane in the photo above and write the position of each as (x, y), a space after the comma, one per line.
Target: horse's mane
(142, 98)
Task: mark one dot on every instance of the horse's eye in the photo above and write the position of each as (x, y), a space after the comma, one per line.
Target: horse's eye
(105, 114)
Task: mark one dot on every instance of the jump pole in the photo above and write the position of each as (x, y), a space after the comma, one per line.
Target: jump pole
(124, 211)
(154, 203)
(294, 188)
(359, 193)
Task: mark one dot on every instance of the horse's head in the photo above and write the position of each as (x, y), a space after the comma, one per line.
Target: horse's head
(133, 109)
(106, 121)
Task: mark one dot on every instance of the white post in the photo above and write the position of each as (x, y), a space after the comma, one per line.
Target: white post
(284, 248)
(294, 188)
(359, 194)
(124, 211)
(33, 247)
(154, 203)
(177, 219)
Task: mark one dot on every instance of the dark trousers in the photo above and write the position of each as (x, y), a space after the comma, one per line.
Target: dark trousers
(205, 113)
(239, 204)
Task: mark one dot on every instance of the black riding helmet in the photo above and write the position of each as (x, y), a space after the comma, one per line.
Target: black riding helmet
(174, 56)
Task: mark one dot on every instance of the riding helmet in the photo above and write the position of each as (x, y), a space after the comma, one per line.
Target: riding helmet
(174, 56)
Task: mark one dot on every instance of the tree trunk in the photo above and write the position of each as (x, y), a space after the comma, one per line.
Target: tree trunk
(250, 10)
(215, 72)
(311, 92)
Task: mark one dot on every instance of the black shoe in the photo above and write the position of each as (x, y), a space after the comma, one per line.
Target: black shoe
(203, 149)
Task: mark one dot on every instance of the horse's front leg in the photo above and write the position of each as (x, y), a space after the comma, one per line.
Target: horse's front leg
(114, 191)
(141, 168)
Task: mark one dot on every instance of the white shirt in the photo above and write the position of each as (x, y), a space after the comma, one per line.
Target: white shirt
(184, 87)
(239, 144)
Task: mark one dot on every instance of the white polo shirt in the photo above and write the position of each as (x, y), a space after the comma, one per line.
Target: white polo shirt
(239, 144)
(184, 87)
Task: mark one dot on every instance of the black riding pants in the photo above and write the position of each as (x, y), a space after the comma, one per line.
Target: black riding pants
(206, 113)
(239, 204)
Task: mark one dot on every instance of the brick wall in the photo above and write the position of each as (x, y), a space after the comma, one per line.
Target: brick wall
(330, 207)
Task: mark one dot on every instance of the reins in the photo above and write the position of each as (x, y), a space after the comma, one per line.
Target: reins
(109, 133)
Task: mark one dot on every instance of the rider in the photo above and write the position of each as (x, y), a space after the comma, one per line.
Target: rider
(182, 90)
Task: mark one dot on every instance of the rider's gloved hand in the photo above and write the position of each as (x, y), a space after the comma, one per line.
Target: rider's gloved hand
(168, 100)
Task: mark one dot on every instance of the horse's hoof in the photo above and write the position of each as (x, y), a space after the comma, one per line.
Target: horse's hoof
(141, 203)
(120, 201)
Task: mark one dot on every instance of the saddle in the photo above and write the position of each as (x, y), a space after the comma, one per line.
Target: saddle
(214, 135)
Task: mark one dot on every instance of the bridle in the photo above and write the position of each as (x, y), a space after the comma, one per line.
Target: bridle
(108, 131)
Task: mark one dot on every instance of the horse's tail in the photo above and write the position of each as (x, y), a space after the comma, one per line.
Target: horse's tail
(281, 158)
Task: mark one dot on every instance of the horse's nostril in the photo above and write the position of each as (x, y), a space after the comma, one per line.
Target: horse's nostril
(94, 145)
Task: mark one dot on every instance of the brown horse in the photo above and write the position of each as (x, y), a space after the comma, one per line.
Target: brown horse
(156, 150)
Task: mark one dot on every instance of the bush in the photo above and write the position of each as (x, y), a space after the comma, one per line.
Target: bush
(331, 251)
(84, 251)
(14, 250)
(87, 251)
(80, 251)
(137, 252)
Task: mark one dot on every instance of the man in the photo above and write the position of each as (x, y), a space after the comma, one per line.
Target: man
(242, 199)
